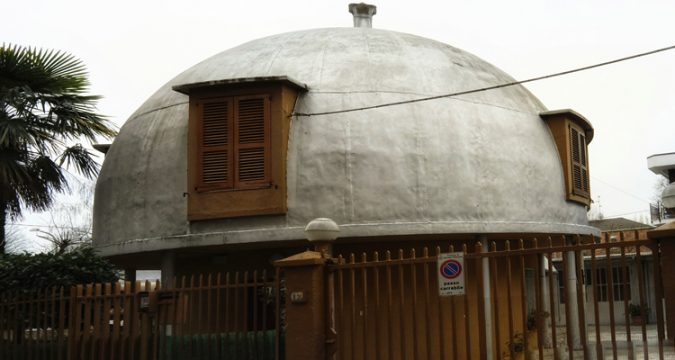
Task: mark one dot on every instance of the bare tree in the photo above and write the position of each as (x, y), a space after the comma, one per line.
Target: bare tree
(660, 184)
(71, 221)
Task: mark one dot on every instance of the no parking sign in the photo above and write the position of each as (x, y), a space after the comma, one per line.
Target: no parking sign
(450, 268)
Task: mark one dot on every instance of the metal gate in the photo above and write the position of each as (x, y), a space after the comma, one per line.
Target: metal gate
(524, 299)
(222, 316)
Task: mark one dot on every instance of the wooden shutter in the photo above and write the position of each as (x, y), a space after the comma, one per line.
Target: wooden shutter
(215, 150)
(579, 163)
(252, 141)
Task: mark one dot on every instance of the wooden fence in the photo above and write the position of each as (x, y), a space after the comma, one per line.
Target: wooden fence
(230, 315)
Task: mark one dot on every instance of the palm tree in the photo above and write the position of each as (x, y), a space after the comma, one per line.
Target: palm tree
(44, 113)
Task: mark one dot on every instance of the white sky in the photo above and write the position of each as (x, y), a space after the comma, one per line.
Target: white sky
(131, 48)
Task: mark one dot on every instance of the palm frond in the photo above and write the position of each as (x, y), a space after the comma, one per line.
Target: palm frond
(81, 159)
(43, 108)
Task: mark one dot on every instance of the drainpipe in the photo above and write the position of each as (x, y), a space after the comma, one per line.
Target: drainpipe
(487, 298)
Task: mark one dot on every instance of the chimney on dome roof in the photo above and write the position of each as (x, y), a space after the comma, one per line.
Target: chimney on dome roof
(363, 14)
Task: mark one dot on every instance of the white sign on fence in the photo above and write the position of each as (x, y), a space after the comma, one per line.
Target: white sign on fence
(450, 267)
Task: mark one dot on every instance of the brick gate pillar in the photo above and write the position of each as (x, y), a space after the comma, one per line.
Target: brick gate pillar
(305, 305)
(666, 236)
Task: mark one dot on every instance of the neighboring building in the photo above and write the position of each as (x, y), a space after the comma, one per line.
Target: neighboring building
(664, 165)
(225, 164)
(615, 230)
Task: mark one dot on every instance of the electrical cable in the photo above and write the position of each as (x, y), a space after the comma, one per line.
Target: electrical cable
(620, 190)
(494, 87)
(46, 226)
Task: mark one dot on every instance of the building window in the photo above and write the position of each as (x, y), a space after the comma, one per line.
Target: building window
(234, 142)
(579, 161)
(237, 146)
(620, 288)
(572, 133)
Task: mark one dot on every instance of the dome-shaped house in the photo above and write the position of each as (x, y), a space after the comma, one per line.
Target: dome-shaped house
(405, 142)
(237, 153)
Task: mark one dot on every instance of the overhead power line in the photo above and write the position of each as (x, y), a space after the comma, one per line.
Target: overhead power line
(48, 226)
(567, 72)
(621, 190)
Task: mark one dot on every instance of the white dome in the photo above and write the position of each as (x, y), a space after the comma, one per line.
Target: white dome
(478, 163)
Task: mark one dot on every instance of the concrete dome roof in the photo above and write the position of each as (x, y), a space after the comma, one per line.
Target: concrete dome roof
(479, 163)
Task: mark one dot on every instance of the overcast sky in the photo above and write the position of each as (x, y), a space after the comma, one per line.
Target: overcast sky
(131, 48)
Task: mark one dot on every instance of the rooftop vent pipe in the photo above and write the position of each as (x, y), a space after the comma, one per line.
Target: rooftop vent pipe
(363, 14)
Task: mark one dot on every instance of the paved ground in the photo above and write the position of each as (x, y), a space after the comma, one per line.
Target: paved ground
(623, 345)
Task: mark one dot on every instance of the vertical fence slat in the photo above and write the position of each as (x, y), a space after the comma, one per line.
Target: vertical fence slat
(127, 297)
(658, 295)
(401, 289)
(427, 304)
(413, 277)
(352, 302)
(390, 303)
(509, 301)
(480, 295)
(364, 314)
(376, 310)
(453, 311)
(342, 329)
(596, 311)
(244, 314)
(277, 318)
(96, 320)
(643, 303)
(441, 320)
(626, 290)
(523, 294)
(86, 320)
(610, 294)
(581, 301)
(495, 303)
(144, 328)
(61, 329)
(551, 301)
(467, 315)
(104, 346)
(237, 314)
(539, 300)
(117, 309)
(27, 326)
(5, 302)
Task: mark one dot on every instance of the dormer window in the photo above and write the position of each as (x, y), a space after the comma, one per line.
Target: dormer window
(579, 161)
(572, 134)
(237, 142)
(234, 143)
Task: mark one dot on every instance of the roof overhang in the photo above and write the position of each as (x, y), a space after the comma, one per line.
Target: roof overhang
(659, 164)
(575, 117)
(231, 83)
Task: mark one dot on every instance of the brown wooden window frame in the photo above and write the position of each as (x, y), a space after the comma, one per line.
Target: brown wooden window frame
(579, 161)
(572, 133)
(242, 156)
(263, 191)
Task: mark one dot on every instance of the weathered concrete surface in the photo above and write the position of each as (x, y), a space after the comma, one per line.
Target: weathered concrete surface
(477, 163)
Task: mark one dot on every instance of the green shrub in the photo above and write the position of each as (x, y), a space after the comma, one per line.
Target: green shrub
(30, 272)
